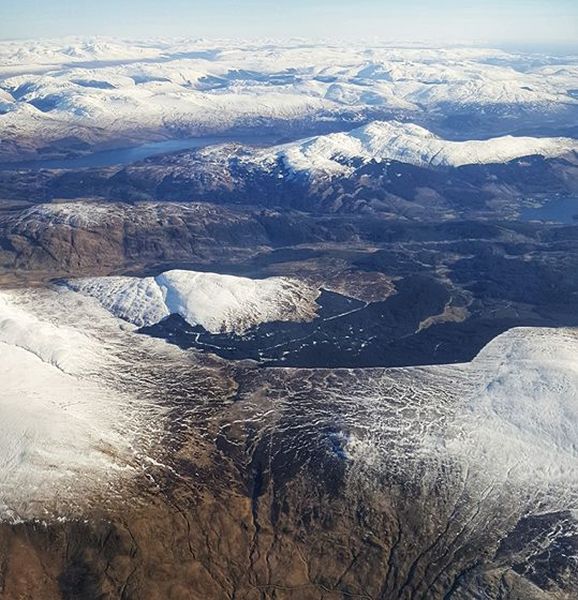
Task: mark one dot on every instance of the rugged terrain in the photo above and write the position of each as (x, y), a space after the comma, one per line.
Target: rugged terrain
(65, 98)
(319, 484)
(341, 366)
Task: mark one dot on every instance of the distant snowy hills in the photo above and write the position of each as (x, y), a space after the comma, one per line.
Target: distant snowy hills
(385, 166)
(219, 303)
(72, 96)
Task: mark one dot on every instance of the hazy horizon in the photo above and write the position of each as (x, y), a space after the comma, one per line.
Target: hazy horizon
(523, 23)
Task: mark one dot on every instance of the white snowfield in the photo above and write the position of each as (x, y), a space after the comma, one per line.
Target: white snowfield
(104, 90)
(68, 431)
(408, 143)
(219, 303)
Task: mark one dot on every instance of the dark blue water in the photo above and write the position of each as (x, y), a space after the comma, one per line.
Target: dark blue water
(124, 156)
(557, 210)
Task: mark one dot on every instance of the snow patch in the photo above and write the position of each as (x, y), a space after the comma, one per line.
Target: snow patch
(219, 303)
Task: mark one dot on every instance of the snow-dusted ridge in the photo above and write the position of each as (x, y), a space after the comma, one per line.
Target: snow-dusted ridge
(525, 411)
(408, 143)
(503, 428)
(219, 303)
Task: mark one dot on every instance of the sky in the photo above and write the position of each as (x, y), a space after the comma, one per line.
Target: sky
(498, 22)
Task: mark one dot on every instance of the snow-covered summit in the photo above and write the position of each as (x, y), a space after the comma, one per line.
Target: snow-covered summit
(408, 143)
(216, 302)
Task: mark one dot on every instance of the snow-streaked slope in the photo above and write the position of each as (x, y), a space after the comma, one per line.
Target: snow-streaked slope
(214, 301)
(408, 143)
(77, 412)
(503, 428)
(69, 431)
(139, 301)
(67, 349)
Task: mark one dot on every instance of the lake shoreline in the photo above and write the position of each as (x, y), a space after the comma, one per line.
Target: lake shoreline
(131, 154)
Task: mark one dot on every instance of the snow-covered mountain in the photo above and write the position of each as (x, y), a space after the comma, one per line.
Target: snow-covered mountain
(341, 153)
(347, 170)
(219, 303)
(312, 456)
(384, 166)
(509, 419)
(514, 422)
(106, 91)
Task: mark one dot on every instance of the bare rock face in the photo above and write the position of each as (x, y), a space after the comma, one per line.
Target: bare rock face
(75, 236)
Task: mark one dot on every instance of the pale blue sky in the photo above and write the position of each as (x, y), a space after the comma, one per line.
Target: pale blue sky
(493, 21)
